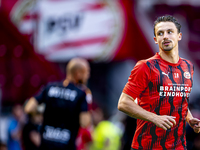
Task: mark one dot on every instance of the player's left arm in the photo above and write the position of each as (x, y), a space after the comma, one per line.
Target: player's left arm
(85, 116)
(193, 122)
(84, 119)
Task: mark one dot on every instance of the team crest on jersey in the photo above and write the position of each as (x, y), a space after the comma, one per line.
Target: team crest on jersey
(187, 75)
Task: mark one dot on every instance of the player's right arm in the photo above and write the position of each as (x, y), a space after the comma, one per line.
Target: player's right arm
(127, 105)
(31, 105)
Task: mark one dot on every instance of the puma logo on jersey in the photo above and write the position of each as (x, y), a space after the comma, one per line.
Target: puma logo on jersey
(165, 74)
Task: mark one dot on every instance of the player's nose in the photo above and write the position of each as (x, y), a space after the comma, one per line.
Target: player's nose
(165, 36)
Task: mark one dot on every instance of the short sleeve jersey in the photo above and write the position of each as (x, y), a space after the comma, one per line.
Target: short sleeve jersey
(162, 88)
(61, 115)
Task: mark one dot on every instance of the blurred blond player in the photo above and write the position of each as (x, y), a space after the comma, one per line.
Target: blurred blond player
(66, 108)
(84, 137)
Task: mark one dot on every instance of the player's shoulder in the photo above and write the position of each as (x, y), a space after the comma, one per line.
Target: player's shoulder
(84, 88)
(187, 61)
(72, 86)
(60, 85)
(145, 62)
(56, 83)
(154, 58)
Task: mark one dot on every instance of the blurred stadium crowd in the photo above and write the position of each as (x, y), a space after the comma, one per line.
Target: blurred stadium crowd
(39, 38)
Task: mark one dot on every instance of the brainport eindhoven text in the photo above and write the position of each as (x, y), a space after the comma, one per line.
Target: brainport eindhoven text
(175, 91)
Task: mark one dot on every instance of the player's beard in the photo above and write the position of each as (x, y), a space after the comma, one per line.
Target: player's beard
(168, 47)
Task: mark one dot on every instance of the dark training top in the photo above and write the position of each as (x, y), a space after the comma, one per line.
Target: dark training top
(26, 140)
(162, 88)
(61, 115)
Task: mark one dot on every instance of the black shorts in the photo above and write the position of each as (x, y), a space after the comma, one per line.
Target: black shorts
(133, 148)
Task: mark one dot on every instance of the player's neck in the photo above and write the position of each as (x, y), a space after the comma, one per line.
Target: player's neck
(69, 79)
(170, 56)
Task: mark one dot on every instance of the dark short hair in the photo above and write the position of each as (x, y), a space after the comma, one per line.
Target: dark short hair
(168, 18)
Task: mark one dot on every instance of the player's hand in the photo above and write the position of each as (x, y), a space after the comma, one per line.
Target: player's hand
(195, 124)
(165, 122)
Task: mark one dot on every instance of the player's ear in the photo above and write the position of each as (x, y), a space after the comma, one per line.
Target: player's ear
(179, 36)
(155, 40)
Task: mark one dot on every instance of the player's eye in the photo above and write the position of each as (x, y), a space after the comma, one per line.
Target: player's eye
(160, 33)
(169, 32)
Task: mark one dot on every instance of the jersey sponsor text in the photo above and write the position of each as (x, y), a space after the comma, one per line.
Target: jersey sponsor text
(56, 134)
(62, 93)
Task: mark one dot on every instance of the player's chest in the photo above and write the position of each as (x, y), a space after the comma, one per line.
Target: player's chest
(171, 79)
(171, 74)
